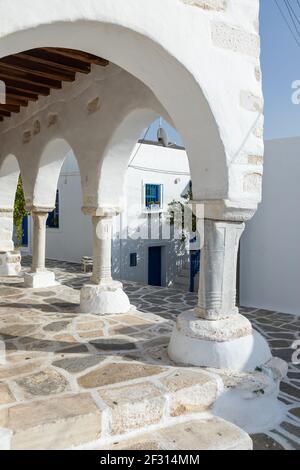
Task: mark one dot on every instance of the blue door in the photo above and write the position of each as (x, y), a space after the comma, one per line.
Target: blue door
(25, 231)
(154, 266)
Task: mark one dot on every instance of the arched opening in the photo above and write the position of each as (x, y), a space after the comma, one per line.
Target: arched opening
(10, 211)
(151, 180)
(49, 168)
(151, 247)
(118, 153)
(9, 175)
(57, 190)
(130, 169)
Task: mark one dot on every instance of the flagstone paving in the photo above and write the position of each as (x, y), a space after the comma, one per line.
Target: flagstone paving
(79, 366)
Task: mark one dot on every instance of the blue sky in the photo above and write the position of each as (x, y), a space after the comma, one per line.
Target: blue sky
(280, 61)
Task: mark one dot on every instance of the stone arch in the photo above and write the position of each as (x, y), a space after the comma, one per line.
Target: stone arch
(42, 193)
(9, 175)
(153, 60)
(116, 156)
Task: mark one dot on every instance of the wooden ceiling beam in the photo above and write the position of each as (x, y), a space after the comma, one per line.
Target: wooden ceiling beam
(23, 65)
(10, 99)
(4, 113)
(60, 63)
(10, 108)
(35, 89)
(29, 74)
(31, 80)
(21, 93)
(81, 56)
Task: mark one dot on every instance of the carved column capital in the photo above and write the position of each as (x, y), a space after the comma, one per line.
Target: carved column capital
(226, 210)
(101, 211)
(39, 209)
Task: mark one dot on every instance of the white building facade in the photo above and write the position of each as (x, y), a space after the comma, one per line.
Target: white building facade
(270, 249)
(144, 248)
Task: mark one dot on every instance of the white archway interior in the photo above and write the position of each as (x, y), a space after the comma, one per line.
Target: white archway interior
(117, 155)
(50, 165)
(9, 175)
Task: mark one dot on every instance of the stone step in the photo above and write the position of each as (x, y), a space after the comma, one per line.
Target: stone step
(185, 271)
(132, 407)
(179, 393)
(208, 433)
(181, 281)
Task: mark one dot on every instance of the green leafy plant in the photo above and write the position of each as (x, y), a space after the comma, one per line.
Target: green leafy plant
(176, 213)
(19, 212)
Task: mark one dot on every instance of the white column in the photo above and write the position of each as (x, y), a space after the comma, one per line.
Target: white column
(6, 230)
(10, 260)
(102, 242)
(103, 295)
(214, 334)
(39, 241)
(39, 277)
(217, 291)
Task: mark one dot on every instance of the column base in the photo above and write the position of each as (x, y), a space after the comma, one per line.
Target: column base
(10, 263)
(250, 400)
(224, 344)
(40, 280)
(104, 298)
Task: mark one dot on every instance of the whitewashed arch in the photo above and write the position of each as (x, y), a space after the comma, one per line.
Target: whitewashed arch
(201, 64)
(9, 176)
(116, 156)
(138, 51)
(43, 190)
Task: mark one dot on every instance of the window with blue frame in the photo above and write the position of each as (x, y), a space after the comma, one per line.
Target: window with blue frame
(153, 196)
(53, 217)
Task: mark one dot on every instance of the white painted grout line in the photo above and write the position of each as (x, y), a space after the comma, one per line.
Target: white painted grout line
(5, 438)
(160, 426)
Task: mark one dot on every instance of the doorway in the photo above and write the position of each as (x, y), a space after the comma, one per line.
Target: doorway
(155, 266)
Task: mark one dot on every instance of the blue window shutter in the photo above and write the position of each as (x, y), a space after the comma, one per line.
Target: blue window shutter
(152, 195)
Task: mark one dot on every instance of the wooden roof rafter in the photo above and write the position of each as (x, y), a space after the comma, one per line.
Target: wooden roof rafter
(29, 74)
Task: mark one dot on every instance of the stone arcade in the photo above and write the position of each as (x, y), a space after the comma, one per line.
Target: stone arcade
(133, 65)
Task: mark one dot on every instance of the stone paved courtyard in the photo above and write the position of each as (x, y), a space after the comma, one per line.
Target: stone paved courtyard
(56, 360)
